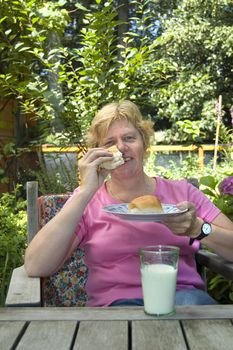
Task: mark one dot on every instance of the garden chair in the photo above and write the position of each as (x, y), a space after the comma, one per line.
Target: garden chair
(67, 286)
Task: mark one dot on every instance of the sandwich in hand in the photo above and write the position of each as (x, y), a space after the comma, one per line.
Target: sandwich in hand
(116, 160)
(145, 204)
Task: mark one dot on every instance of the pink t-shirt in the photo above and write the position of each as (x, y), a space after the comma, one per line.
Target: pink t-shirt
(112, 244)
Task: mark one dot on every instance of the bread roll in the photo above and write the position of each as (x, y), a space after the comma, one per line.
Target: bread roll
(115, 161)
(145, 204)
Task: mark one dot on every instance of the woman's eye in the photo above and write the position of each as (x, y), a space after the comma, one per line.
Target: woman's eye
(109, 144)
(129, 138)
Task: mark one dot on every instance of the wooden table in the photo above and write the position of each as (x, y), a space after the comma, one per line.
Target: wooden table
(116, 328)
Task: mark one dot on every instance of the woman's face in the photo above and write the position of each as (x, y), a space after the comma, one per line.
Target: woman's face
(129, 141)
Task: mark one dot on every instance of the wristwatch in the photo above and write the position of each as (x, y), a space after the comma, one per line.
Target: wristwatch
(206, 230)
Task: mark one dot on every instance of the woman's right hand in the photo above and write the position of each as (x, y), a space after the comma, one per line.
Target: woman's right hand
(91, 174)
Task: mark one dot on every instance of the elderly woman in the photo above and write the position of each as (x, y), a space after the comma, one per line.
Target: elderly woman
(111, 244)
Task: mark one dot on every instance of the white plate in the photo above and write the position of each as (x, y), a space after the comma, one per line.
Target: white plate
(121, 210)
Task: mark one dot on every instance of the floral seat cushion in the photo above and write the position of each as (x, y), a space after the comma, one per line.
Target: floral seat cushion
(66, 287)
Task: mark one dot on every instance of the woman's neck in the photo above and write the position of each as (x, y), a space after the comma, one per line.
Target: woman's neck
(125, 191)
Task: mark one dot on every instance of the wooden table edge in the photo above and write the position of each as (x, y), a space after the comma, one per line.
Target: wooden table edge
(112, 313)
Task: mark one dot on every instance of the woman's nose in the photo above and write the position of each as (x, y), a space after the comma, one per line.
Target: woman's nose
(121, 145)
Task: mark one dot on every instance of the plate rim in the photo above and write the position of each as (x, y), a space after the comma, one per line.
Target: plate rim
(104, 208)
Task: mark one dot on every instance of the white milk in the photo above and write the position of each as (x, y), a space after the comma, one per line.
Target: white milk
(159, 287)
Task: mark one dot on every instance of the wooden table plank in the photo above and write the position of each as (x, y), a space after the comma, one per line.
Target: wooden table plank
(9, 332)
(102, 335)
(209, 334)
(157, 334)
(112, 313)
(108, 328)
(48, 335)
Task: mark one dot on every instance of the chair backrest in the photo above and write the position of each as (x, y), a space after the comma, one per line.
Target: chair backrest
(66, 287)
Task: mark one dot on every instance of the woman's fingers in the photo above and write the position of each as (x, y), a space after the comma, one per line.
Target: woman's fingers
(95, 153)
(182, 224)
(91, 174)
(96, 156)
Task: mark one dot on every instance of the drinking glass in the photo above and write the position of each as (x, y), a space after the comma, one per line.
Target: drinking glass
(159, 266)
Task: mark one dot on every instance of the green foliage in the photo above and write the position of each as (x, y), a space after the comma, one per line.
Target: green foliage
(219, 287)
(190, 130)
(195, 48)
(12, 236)
(174, 75)
(60, 176)
(99, 71)
(62, 86)
(226, 137)
(7, 152)
(29, 32)
(185, 167)
(210, 185)
(149, 166)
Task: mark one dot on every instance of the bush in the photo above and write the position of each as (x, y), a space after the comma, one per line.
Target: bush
(221, 194)
(13, 230)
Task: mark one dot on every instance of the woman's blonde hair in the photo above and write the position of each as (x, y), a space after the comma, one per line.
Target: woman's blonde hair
(124, 110)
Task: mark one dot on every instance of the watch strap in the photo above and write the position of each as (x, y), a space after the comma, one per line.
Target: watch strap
(191, 240)
(201, 235)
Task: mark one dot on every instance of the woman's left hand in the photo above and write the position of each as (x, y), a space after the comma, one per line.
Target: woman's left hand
(186, 224)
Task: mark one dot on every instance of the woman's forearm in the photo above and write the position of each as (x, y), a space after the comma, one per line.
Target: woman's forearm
(49, 247)
(221, 238)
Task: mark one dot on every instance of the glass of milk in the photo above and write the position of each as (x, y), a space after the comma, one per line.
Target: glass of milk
(158, 273)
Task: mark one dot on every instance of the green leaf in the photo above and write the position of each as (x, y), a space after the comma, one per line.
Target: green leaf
(208, 181)
(122, 86)
(208, 192)
(7, 32)
(3, 19)
(18, 45)
(81, 7)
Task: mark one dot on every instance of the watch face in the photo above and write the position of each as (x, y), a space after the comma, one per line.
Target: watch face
(206, 228)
